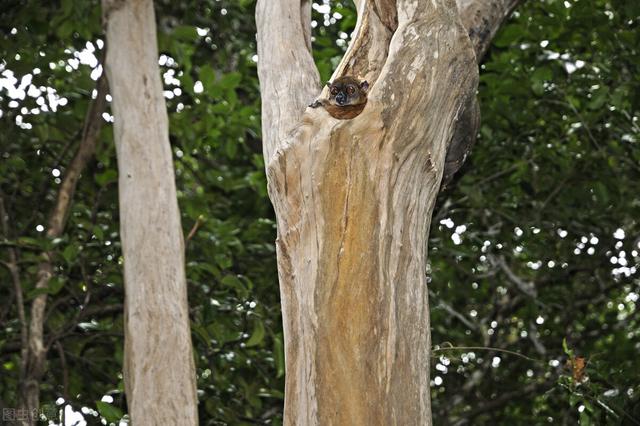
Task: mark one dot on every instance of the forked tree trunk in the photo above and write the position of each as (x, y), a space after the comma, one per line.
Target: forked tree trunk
(159, 366)
(354, 198)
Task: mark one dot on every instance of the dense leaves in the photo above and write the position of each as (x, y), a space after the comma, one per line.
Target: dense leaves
(538, 243)
(533, 251)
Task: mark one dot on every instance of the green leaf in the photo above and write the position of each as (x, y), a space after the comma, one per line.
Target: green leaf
(207, 77)
(109, 412)
(508, 35)
(538, 88)
(539, 77)
(65, 29)
(16, 163)
(33, 242)
(97, 231)
(202, 333)
(574, 101)
(70, 253)
(223, 261)
(105, 178)
(598, 99)
(565, 348)
(231, 148)
(585, 418)
(233, 282)
(601, 192)
(257, 335)
(185, 33)
(542, 74)
(54, 286)
(278, 355)
(231, 80)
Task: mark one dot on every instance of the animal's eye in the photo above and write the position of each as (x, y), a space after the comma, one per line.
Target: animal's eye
(334, 91)
(351, 90)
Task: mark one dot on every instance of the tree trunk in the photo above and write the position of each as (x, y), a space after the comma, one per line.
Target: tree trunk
(33, 354)
(354, 198)
(159, 367)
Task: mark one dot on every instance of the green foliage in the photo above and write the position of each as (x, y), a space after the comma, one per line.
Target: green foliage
(526, 250)
(547, 262)
(109, 412)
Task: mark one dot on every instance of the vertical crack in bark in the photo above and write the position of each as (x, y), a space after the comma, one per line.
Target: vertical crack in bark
(345, 216)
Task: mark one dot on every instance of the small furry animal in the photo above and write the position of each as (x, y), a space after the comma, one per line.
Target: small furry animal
(347, 98)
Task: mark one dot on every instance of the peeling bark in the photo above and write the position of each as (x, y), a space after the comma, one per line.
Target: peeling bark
(159, 366)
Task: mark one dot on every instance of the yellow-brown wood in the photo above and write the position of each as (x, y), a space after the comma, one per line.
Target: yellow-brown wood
(353, 201)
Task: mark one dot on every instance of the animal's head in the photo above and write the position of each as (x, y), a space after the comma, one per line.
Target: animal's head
(345, 91)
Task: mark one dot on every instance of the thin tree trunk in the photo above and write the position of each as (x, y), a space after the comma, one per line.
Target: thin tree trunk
(33, 356)
(353, 201)
(159, 367)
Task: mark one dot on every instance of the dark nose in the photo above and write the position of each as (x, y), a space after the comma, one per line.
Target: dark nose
(341, 98)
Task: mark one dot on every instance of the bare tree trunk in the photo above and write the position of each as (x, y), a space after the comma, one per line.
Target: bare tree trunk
(34, 349)
(354, 198)
(159, 367)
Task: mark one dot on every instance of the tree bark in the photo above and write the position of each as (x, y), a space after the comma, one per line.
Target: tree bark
(482, 19)
(33, 355)
(354, 198)
(159, 366)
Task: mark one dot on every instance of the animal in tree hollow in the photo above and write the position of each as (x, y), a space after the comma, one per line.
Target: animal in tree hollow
(347, 98)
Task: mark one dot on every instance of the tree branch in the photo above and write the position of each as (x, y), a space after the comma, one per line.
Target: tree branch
(65, 371)
(527, 287)
(448, 308)
(91, 312)
(285, 67)
(12, 265)
(482, 19)
(36, 355)
(503, 399)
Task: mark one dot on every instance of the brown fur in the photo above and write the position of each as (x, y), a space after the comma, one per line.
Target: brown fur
(354, 103)
(344, 112)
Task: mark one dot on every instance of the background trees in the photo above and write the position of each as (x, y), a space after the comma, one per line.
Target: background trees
(553, 180)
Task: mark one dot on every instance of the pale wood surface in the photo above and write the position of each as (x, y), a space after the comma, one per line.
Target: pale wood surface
(159, 366)
(354, 198)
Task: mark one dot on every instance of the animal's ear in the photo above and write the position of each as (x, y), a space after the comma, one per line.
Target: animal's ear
(364, 85)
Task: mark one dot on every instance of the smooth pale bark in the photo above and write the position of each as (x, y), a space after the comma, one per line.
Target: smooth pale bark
(354, 198)
(159, 367)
